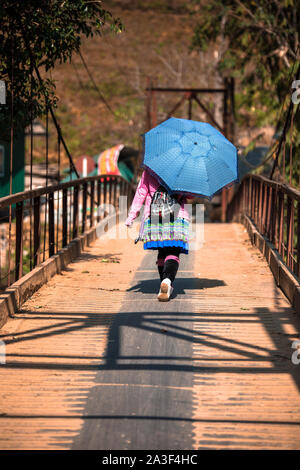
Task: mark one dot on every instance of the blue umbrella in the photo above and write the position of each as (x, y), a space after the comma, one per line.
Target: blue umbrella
(190, 157)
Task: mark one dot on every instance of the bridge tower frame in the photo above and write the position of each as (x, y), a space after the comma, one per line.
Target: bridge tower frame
(190, 95)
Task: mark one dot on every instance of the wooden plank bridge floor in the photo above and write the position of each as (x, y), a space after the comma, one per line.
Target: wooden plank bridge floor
(95, 362)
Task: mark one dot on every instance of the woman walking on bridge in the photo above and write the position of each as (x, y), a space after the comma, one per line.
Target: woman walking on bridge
(190, 158)
(165, 228)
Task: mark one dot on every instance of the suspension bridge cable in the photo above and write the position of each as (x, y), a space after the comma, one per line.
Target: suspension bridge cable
(276, 144)
(33, 64)
(285, 128)
(77, 75)
(95, 85)
(256, 166)
(290, 78)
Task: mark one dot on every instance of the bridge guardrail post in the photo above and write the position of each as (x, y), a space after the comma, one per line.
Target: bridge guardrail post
(19, 240)
(92, 203)
(115, 191)
(105, 195)
(75, 212)
(36, 230)
(65, 218)
(51, 224)
(281, 214)
(98, 199)
(84, 203)
(289, 225)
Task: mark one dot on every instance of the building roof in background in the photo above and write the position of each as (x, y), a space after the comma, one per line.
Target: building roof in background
(117, 160)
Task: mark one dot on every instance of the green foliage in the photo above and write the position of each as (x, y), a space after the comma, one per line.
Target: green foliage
(161, 6)
(258, 44)
(130, 110)
(40, 33)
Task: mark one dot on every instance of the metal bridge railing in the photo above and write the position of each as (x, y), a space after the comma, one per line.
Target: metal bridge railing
(46, 219)
(275, 210)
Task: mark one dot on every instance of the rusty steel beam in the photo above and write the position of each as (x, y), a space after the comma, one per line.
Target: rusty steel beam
(178, 104)
(221, 129)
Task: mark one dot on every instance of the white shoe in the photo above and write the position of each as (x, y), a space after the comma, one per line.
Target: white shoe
(165, 290)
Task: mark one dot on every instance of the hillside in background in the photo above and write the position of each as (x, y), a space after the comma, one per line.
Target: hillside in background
(155, 43)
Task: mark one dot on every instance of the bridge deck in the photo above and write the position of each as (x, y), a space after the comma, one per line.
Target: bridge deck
(95, 362)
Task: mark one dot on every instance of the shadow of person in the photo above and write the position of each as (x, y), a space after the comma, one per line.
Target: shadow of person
(181, 284)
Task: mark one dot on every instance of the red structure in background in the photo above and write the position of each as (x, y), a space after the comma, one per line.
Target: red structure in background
(85, 165)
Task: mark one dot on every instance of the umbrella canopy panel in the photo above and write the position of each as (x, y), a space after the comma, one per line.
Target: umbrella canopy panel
(190, 157)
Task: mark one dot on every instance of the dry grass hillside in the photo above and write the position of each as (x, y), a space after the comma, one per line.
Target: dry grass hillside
(155, 43)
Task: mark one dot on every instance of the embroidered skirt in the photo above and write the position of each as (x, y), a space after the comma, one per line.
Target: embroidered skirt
(160, 235)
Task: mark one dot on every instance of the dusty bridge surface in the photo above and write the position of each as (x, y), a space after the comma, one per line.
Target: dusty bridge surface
(94, 361)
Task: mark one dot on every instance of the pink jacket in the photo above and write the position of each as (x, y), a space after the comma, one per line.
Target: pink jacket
(146, 188)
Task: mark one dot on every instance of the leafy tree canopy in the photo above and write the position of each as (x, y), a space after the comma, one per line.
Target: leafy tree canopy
(36, 34)
(258, 43)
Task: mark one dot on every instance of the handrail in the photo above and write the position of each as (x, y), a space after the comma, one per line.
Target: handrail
(30, 194)
(274, 208)
(277, 185)
(41, 227)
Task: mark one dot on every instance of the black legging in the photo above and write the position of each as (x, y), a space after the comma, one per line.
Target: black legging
(169, 268)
